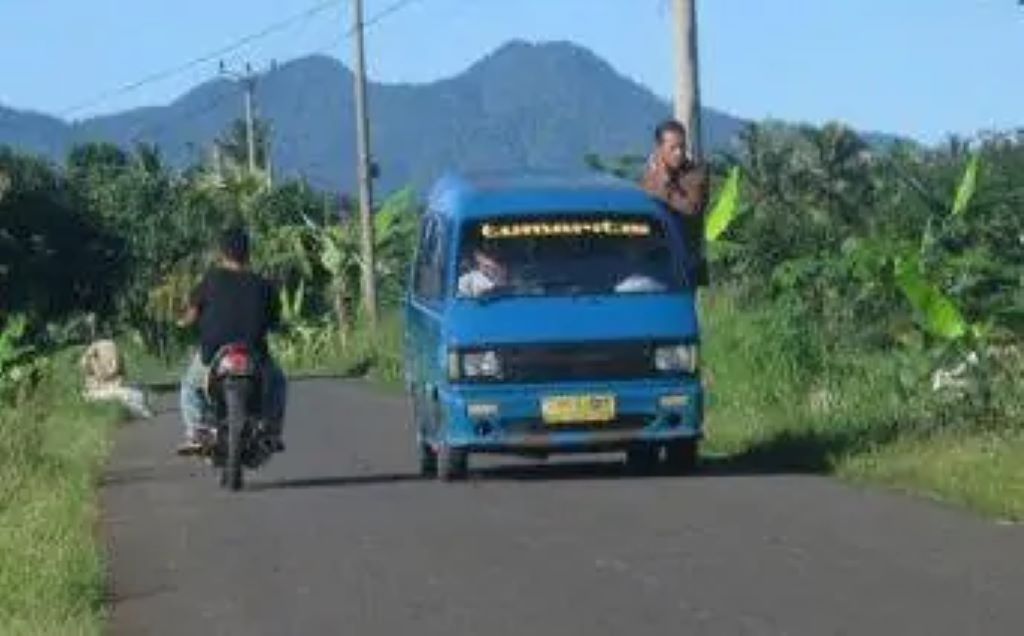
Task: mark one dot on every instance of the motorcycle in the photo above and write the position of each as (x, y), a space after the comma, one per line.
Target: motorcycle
(237, 437)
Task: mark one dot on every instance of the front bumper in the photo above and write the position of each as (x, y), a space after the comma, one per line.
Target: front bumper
(508, 418)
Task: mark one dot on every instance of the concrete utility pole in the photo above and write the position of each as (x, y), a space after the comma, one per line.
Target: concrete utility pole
(248, 79)
(687, 93)
(364, 174)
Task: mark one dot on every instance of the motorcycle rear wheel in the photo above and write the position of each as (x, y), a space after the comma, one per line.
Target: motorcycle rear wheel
(236, 397)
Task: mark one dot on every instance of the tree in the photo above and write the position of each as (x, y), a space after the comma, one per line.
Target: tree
(55, 259)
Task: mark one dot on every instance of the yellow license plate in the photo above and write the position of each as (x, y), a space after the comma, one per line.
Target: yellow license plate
(578, 409)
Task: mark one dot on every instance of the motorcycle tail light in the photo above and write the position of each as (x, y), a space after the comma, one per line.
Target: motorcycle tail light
(234, 361)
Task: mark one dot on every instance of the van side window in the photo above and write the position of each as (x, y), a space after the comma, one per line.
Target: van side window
(422, 256)
(441, 252)
(429, 272)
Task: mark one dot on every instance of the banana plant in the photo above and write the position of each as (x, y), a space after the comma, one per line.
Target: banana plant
(938, 313)
(963, 343)
(339, 254)
(724, 211)
(292, 304)
(968, 185)
(337, 250)
(304, 339)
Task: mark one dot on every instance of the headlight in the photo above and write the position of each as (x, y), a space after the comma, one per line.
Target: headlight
(676, 358)
(475, 365)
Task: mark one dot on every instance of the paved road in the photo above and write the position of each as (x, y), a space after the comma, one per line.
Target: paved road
(338, 536)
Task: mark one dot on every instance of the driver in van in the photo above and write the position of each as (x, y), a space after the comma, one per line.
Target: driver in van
(487, 272)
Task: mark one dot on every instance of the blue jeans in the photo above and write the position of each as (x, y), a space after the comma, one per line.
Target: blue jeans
(193, 397)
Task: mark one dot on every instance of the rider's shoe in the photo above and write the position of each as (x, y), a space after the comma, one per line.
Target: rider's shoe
(189, 447)
(272, 435)
(194, 444)
(277, 443)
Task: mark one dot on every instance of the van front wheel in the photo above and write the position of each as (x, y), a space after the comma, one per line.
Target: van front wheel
(681, 457)
(428, 460)
(452, 463)
(642, 459)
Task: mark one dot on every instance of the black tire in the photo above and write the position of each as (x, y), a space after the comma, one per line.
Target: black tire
(642, 460)
(452, 463)
(236, 398)
(428, 461)
(681, 457)
(425, 455)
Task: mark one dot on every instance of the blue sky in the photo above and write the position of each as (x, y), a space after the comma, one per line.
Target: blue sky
(919, 67)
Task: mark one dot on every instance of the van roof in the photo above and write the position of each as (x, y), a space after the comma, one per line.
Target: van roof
(477, 195)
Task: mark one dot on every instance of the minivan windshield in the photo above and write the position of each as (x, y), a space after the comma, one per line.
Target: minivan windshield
(566, 256)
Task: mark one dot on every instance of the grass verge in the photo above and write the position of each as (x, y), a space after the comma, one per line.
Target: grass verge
(982, 472)
(52, 448)
(778, 405)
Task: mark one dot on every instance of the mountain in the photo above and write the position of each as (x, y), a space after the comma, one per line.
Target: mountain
(524, 105)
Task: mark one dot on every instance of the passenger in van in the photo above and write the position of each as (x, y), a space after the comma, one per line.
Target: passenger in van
(682, 185)
(641, 262)
(486, 273)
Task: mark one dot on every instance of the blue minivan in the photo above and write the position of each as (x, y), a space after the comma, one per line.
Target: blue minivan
(551, 314)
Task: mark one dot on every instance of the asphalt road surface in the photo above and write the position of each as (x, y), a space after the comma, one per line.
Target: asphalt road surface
(339, 536)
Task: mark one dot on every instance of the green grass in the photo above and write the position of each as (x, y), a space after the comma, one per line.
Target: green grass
(982, 472)
(362, 353)
(778, 401)
(51, 452)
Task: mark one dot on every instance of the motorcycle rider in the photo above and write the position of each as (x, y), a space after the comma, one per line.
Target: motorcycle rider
(232, 304)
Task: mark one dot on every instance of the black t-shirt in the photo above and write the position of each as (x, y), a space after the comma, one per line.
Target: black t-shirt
(234, 306)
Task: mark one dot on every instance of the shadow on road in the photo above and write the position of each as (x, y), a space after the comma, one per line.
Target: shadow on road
(612, 469)
(334, 482)
(801, 453)
(587, 470)
(595, 469)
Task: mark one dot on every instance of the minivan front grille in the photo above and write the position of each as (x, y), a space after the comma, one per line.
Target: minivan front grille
(577, 362)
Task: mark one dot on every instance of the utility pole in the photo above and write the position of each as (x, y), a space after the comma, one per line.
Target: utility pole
(687, 93)
(250, 136)
(364, 175)
(248, 80)
(267, 159)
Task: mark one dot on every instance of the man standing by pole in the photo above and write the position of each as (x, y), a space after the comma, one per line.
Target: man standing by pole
(682, 185)
(364, 176)
(675, 172)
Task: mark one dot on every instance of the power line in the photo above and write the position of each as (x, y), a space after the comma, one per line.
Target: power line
(154, 129)
(208, 106)
(394, 7)
(150, 131)
(203, 59)
(380, 16)
(373, 20)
